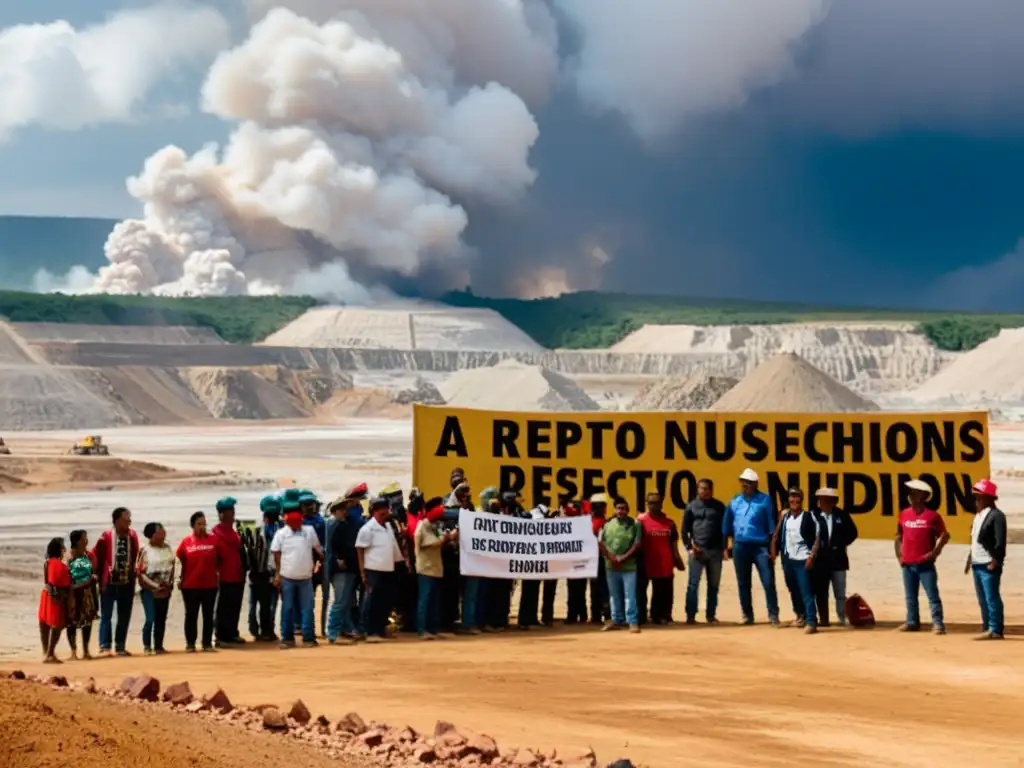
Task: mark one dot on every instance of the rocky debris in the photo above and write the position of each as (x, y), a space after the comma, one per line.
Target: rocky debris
(145, 688)
(300, 713)
(422, 392)
(274, 720)
(16, 675)
(219, 701)
(178, 694)
(683, 393)
(57, 681)
(351, 737)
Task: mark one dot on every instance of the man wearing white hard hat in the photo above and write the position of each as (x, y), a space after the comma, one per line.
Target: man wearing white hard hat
(748, 527)
(920, 536)
(838, 531)
(985, 560)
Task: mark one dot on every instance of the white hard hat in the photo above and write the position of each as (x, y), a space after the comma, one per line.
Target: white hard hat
(830, 493)
(750, 475)
(919, 485)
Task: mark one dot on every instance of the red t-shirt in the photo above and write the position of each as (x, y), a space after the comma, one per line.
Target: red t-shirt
(199, 561)
(231, 553)
(920, 532)
(659, 536)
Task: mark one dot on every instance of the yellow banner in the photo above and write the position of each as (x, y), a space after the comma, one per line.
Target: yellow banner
(549, 457)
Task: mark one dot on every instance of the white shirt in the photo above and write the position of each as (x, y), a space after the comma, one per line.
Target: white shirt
(796, 547)
(979, 555)
(296, 548)
(381, 547)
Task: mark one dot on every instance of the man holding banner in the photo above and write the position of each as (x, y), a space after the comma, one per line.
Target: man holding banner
(748, 527)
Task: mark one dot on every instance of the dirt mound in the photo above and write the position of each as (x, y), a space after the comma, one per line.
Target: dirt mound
(992, 373)
(311, 388)
(43, 397)
(789, 384)
(242, 393)
(363, 404)
(41, 728)
(404, 326)
(683, 393)
(21, 473)
(514, 386)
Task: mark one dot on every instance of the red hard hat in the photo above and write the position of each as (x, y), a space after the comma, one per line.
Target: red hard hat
(986, 487)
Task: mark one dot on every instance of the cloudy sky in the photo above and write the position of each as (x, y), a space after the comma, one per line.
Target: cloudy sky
(854, 151)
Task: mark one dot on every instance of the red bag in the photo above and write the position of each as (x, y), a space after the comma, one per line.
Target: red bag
(858, 612)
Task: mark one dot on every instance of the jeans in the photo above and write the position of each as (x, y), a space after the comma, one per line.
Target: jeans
(428, 609)
(156, 620)
(529, 604)
(297, 597)
(622, 596)
(262, 608)
(923, 575)
(747, 555)
(986, 584)
(823, 578)
(798, 579)
(474, 598)
(340, 621)
(229, 610)
(197, 600)
(121, 597)
(713, 568)
(377, 602)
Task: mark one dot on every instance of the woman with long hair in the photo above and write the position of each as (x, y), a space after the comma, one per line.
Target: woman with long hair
(82, 600)
(200, 561)
(156, 577)
(53, 600)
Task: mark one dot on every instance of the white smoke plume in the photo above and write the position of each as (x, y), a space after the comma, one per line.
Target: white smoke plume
(659, 62)
(359, 125)
(67, 78)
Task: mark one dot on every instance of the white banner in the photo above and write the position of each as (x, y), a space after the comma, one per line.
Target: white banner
(503, 547)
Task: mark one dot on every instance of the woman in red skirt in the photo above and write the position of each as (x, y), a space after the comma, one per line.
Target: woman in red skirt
(54, 599)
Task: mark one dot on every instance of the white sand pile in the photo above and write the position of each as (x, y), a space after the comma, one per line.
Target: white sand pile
(513, 386)
(40, 397)
(789, 384)
(404, 326)
(117, 334)
(683, 393)
(990, 375)
(870, 357)
(240, 393)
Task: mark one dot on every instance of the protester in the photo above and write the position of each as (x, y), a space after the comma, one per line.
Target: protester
(660, 554)
(527, 617)
(838, 531)
(600, 612)
(576, 589)
(797, 538)
(378, 552)
(920, 537)
(619, 541)
(309, 504)
(83, 600)
(702, 538)
(430, 568)
(403, 583)
(747, 528)
(53, 600)
(295, 548)
(985, 559)
(498, 605)
(262, 593)
(155, 570)
(342, 563)
(458, 478)
(474, 593)
(200, 554)
(115, 555)
(232, 575)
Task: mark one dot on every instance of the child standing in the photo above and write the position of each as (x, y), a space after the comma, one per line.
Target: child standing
(53, 600)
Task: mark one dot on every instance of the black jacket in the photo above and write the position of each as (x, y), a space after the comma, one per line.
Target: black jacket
(833, 548)
(992, 535)
(808, 532)
(342, 546)
(702, 523)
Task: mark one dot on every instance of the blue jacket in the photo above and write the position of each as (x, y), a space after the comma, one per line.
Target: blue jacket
(750, 521)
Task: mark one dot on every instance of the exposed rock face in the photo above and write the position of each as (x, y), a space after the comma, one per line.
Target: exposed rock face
(683, 393)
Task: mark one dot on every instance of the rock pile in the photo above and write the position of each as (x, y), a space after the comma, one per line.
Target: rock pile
(683, 393)
(423, 393)
(351, 736)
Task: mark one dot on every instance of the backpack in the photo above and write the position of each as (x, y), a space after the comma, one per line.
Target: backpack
(858, 612)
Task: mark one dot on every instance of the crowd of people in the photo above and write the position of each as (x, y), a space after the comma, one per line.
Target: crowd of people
(395, 561)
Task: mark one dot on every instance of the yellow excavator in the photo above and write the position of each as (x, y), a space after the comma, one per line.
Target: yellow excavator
(91, 445)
